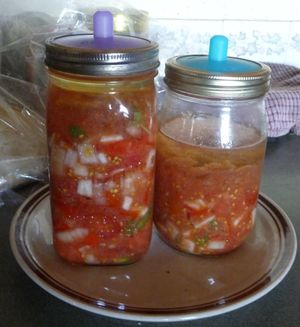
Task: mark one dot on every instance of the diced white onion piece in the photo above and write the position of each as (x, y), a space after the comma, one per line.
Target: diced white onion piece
(57, 160)
(72, 235)
(127, 183)
(187, 233)
(98, 187)
(116, 171)
(87, 256)
(130, 182)
(204, 222)
(127, 202)
(102, 157)
(85, 249)
(133, 131)
(71, 158)
(237, 221)
(98, 193)
(90, 259)
(253, 216)
(216, 245)
(109, 185)
(85, 187)
(188, 245)
(150, 159)
(196, 205)
(99, 175)
(172, 230)
(111, 138)
(87, 154)
(80, 170)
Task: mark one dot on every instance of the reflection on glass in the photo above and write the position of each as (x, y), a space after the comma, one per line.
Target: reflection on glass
(124, 111)
(225, 130)
(221, 301)
(211, 281)
(120, 277)
(121, 306)
(100, 303)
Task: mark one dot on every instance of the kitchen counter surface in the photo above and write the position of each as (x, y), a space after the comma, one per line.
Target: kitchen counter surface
(23, 303)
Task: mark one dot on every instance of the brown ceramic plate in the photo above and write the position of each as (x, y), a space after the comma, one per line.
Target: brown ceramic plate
(165, 285)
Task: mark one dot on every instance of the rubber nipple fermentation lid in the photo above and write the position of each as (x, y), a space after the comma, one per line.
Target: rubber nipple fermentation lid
(217, 75)
(101, 53)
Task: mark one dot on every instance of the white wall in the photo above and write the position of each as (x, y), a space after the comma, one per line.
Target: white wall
(257, 29)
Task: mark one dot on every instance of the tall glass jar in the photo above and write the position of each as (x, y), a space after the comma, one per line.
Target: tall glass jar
(101, 125)
(210, 150)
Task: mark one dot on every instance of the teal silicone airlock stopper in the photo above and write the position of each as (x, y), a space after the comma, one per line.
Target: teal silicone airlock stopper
(218, 47)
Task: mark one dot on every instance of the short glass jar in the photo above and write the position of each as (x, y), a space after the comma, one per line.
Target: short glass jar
(210, 151)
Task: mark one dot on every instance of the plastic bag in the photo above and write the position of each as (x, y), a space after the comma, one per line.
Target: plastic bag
(22, 133)
(16, 34)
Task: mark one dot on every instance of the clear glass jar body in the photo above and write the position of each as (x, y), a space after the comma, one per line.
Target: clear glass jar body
(101, 140)
(209, 161)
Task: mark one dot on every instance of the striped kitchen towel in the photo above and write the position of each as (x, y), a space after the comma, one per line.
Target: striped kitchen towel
(283, 100)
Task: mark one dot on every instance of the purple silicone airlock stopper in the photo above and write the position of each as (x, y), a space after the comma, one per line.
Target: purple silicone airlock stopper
(103, 25)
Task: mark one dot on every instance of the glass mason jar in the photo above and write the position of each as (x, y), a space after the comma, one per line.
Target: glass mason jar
(101, 126)
(210, 151)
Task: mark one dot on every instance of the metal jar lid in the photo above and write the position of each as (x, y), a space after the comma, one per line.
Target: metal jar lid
(217, 76)
(101, 53)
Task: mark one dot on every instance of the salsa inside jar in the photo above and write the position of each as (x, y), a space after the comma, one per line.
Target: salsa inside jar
(206, 195)
(101, 138)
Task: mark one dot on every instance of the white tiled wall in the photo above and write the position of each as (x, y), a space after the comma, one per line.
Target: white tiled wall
(221, 9)
(257, 29)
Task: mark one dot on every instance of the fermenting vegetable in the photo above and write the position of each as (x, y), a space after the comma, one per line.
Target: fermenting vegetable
(102, 150)
(205, 197)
